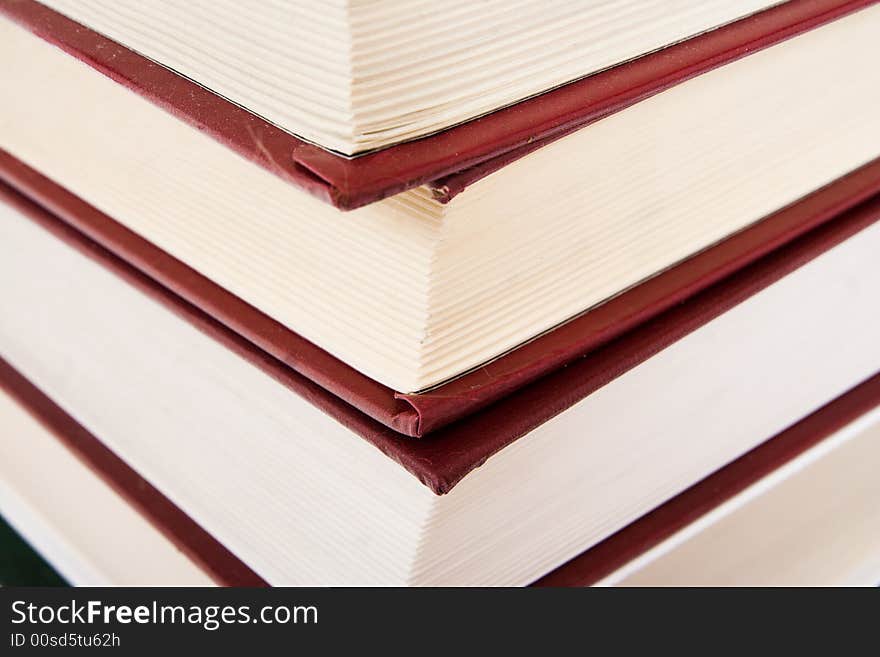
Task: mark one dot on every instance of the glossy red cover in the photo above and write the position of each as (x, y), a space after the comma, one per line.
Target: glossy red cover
(449, 160)
(423, 414)
(443, 458)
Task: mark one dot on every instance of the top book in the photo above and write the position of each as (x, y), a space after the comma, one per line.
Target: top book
(466, 248)
(354, 76)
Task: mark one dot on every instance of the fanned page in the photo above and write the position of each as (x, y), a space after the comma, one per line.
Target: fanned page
(353, 76)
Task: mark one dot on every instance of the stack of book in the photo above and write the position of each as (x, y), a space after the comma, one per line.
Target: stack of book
(418, 293)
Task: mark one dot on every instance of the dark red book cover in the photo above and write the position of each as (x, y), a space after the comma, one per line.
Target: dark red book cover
(424, 414)
(686, 507)
(465, 421)
(587, 568)
(449, 160)
(442, 458)
(208, 553)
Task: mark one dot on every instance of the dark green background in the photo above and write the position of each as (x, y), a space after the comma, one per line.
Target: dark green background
(20, 565)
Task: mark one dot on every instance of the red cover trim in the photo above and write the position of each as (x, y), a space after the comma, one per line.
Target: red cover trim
(449, 160)
(658, 525)
(211, 556)
(422, 414)
(447, 455)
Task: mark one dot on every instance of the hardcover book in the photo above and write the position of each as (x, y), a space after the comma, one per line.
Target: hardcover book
(426, 294)
(242, 456)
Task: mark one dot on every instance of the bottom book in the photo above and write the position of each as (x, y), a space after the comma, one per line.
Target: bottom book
(799, 509)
